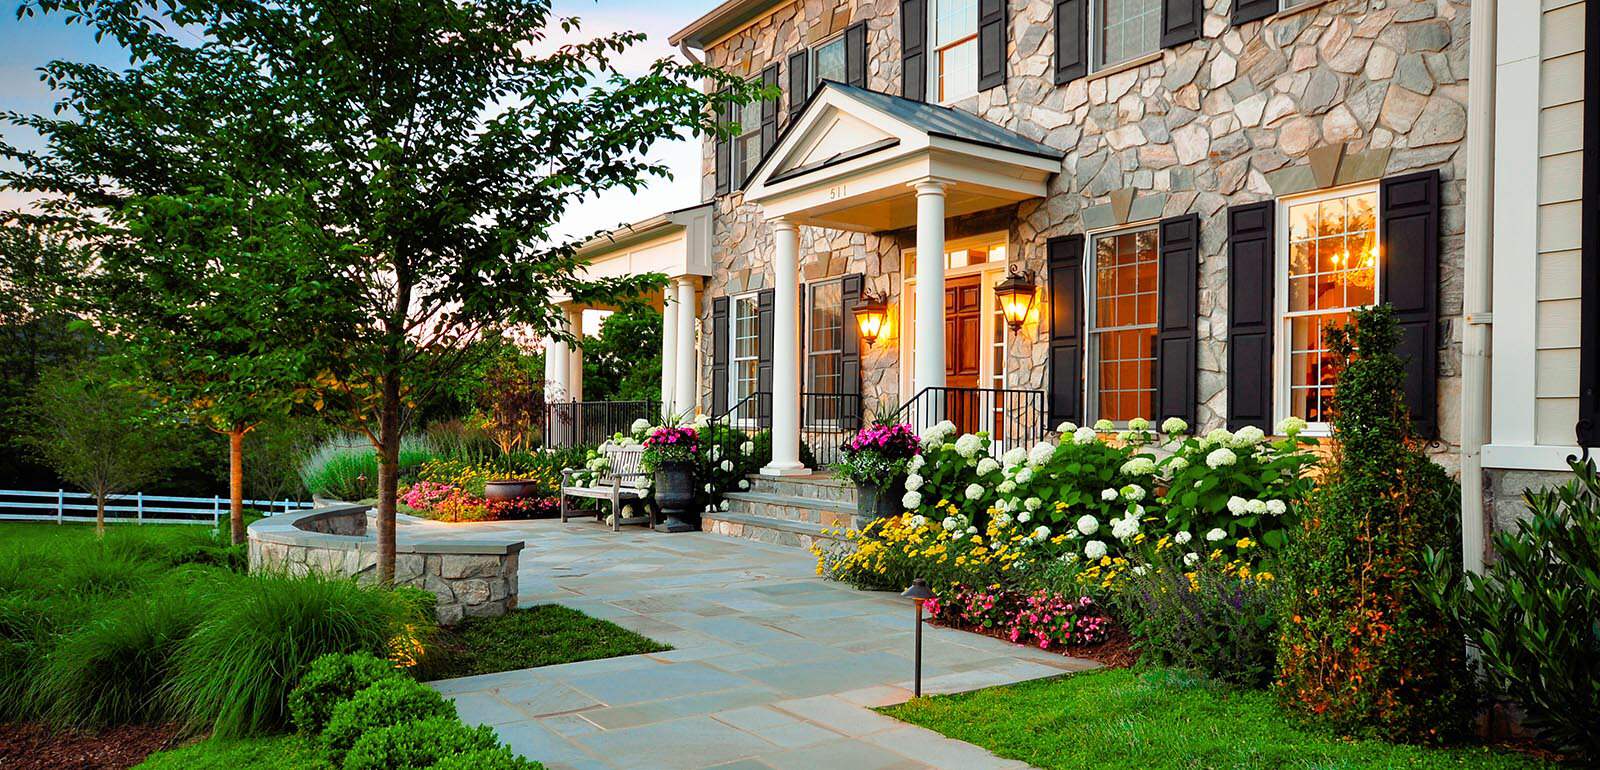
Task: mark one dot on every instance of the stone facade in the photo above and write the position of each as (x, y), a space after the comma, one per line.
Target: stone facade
(467, 578)
(1235, 117)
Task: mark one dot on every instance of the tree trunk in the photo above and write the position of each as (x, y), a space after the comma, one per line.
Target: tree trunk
(236, 483)
(388, 476)
(99, 515)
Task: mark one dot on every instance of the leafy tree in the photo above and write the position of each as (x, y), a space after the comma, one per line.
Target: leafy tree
(1362, 646)
(99, 434)
(623, 362)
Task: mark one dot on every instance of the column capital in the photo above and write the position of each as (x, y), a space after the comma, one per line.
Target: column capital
(931, 185)
(781, 224)
(683, 280)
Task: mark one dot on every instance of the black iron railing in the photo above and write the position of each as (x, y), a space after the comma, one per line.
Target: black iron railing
(587, 423)
(1011, 417)
(827, 421)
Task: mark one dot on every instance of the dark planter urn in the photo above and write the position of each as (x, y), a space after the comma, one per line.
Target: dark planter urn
(675, 497)
(502, 490)
(877, 502)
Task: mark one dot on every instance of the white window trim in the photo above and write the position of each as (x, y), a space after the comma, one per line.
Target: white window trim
(810, 354)
(1096, 33)
(933, 48)
(1280, 293)
(1091, 373)
(733, 360)
(908, 304)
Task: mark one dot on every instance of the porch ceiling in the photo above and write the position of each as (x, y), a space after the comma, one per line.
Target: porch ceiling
(848, 162)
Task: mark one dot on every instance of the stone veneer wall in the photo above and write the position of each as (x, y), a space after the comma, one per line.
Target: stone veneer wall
(1226, 120)
(468, 578)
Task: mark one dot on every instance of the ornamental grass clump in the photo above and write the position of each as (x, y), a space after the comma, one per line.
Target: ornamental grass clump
(1362, 647)
(1534, 614)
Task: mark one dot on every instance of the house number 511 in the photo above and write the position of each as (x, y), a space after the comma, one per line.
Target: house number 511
(835, 193)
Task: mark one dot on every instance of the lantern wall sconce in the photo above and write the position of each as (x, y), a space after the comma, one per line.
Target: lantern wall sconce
(872, 314)
(1017, 294)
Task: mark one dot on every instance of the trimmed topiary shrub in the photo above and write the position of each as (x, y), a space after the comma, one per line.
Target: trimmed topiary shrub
(331, 680)
(500, 758)
(417, 744)
(1362, 648)
(384, 703)
(1532, 613)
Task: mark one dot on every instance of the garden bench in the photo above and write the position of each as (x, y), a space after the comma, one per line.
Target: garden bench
(619, 485)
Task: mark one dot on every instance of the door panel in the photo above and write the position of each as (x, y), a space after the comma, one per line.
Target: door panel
(963, 334)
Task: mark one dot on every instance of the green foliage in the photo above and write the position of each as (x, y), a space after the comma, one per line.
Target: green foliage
(346, 467)
(111, 670)
(1119, 719)
(1202, 617)
(499, 758)
(383, 703)
(1533, 612)
(272, 457)
(623, 361)
(1237, 482)
(330, 680)
(276, 752)
(236, 670)
(417, 744)
(1363, 649)
(543, 635)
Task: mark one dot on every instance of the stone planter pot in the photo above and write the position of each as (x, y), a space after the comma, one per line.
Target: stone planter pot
(502, 490)
(877, 502)
(675, 497)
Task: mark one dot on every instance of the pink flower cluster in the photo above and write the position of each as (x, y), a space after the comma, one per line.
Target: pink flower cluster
(424, 495)
(681, 439)
(895, 442)
(1039, 618)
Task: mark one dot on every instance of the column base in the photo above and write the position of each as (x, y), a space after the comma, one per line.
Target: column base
(785, 469)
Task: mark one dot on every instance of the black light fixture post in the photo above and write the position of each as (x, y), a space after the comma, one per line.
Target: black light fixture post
(919, 594)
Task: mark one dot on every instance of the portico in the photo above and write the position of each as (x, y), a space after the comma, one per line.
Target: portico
(861, 161)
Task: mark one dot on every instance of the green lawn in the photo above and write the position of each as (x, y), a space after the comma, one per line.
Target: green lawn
(271, 753)
(544, 635)
(1161, 719)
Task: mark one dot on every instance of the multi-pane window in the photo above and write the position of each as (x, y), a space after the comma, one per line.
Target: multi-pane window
(1122, 330)
(745, 357)
(1125, 29)
(1332, 269)
(747, 147)
(827, 61)
(824, 351)
(955, 48)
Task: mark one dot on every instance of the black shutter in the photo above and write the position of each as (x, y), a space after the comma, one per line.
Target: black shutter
(1245, 11)
(769, 112)
(1072, 40)
(725, 150)
(1409, 268)
(855, 54)
(992, 23)
(913, 49)
(1250, 286)
(1066, 328)
(1588, 427)
(1180, 22)
(799, 82)
(719, 356)
(1176, 341)
(765, 321)
(850, 289)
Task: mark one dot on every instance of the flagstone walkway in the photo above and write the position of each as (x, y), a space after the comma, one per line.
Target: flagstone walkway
(772, 667)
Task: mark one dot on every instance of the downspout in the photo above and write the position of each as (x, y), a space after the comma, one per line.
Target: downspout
(1477, 269)
(688, 53)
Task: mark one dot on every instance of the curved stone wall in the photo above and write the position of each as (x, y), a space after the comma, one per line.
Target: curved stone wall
(468, 577)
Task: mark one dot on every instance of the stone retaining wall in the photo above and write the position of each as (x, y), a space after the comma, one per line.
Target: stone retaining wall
(468, 578)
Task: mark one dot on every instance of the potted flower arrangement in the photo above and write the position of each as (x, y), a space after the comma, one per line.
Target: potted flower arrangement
(670, 453)
(876, 458)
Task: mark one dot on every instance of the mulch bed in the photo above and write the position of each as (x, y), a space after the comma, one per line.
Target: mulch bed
(1115, 652)
(32, 746)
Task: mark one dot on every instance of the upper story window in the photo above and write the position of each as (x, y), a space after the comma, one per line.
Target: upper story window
(827, 61)
(747, 147)
(1122, 324)
(1125, 30)
(955, 49)
(1328, 259)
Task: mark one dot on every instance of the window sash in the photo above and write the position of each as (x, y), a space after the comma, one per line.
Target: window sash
(744, 355)
(828, 60)
(1117, 25)
(953, 36)
(1133, 388)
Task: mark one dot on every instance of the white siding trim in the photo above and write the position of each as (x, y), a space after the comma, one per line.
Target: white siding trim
(1527, 458)
(1516, 229)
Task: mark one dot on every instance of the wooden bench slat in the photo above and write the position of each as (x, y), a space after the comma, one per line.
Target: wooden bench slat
(617, 485)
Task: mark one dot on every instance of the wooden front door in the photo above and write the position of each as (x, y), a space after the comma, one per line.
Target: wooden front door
(963, 346)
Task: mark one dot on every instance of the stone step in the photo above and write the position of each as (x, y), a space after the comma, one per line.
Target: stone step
(796, 534)
(805, 487)
(825, 513)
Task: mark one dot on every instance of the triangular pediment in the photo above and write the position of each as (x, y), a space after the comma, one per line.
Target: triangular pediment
(832, 134)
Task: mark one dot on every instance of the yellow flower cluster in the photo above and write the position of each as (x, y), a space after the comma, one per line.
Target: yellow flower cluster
(908, 542)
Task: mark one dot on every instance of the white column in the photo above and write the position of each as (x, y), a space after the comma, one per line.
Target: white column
(930, 285)
(575, 372)
(785, 352)
(557, 367)
(683, 396)
(669, 349)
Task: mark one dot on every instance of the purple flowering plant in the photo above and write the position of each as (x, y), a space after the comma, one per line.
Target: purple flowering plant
(878, 453)
(667, 444)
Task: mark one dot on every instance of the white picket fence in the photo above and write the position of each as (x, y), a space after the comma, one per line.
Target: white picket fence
(63, 507)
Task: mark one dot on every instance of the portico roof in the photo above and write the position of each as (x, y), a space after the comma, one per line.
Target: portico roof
(847, 161)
